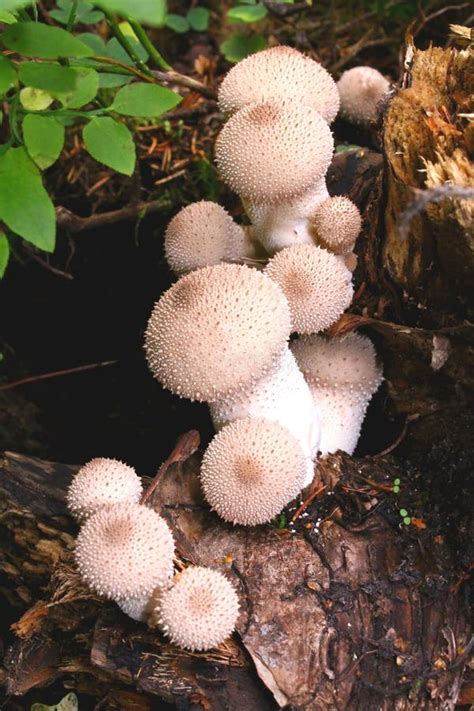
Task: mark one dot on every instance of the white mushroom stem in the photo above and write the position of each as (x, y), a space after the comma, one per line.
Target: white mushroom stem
(282, 397)
(341, 415)
(286, 223)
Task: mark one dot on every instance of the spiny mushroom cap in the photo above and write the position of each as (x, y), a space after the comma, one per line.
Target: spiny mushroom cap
(336, 224)
(125, 551)
(360, 90)
(251, 470)
(274, 151)
(102, 482)
(317, 285)
(199, 610)
(279, 73)
(217, 331)
(347, 363)
(203, 234)
(138, 608)
(341, 414)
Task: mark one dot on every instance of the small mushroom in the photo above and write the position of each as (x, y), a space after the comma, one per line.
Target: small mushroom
(125, 551)
(102, 482)
(275, 155)
(251, 470)
(199, 610)
(361, 89)
(335, 224)
(343, 374)
(217, 331)
(317, 285)
(203, 234)
(279, 73)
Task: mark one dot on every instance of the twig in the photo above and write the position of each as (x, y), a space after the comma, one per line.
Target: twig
(67, 220)
(395, 444)
(316, 494)
(173, 77)
(55, 374)
(130, 50)
(437, 14)
(186, 445)
(424, 197)
(49, 267)
(147, 44)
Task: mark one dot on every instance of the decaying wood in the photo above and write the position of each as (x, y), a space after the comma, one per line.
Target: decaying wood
(346, 608)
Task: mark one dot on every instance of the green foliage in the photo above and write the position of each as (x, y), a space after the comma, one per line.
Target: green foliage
(4, 254)
(405, 517)
(52, 78)
(7, 74)
(25, 206)
(34, 39)
(44, 139)
(247, 13)
(147, 100)
(84, 13)
(197, 18)
(87, 86)
(239, 45)
(150, 12)
(35, 99)
(396, 486)
(110, 143)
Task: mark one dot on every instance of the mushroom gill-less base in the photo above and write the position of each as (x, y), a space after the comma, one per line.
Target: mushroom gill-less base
(341, 414)
(282, 397)
(286, 223)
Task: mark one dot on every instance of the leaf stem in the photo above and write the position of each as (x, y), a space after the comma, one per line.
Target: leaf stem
(148, 45)
(125, 43)
(72, 15)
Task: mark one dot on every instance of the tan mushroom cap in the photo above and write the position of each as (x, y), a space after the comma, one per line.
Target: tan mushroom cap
(102, 482)
(360, 90)
(274, 151)
(217, 331)
(317, 285)
(348, 363)
(279, 73)
(125, 551)
(203, 234)
(199, 610)
(336, 224)
(251, 470)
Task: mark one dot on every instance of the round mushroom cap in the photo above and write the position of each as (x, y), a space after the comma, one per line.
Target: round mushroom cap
(274, 151)
(217, 331)
(317, 285)
(336, 224)
(199, 610)
(252, 468)
(125, 551)
(203, 234)
(348, 363)
(279, 73)
(102, 482)
(360, 90)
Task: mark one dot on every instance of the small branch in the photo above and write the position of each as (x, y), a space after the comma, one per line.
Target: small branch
(124, 41)
(72, 15)
(173, 77)
(186, 445)
(424, 197)
(55, 374)
(73, 223)
(148, 45)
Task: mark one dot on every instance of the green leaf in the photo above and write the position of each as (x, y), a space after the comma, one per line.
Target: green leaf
(35, 99)
(85, 14)
(44, 75)
(148, 100)
(178, 23)
(7, 17)
(44, 139)
(13, 5)
(93, 41)
(238, 46)
(110, 143)
(87, 86)
(151, 12)
(4, 253)
(7, 74)
(247, 13)
(115, 50)
(198, 18)
(403, 512)
(25, 206)
(35, 39)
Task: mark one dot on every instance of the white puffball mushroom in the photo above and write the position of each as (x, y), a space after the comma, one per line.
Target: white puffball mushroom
(343, 374)
(279, 73)
(217, 331)
(317, 285)
(199, 610)
(137, 609)
(102, 482)
(125, 551)
(335, 224)
(360, 90)
(202, 234)
(251, 470)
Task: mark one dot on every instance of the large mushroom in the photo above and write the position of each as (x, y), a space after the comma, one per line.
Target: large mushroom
(343, 374)
(279, 73)
(275, 155)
